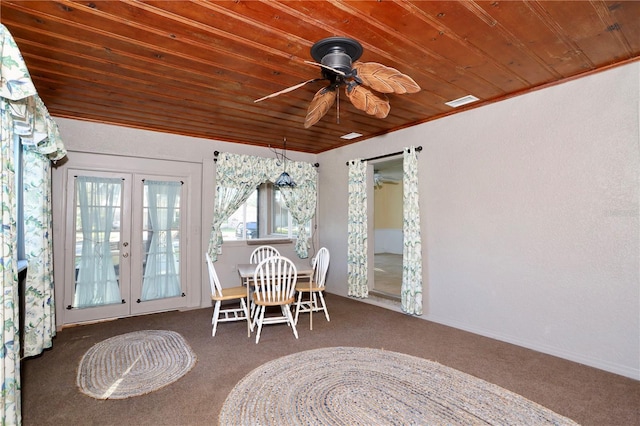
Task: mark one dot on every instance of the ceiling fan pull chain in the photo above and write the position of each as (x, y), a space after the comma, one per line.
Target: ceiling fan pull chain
(338, 104)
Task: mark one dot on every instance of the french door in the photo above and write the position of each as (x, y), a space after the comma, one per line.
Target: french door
(124, 234)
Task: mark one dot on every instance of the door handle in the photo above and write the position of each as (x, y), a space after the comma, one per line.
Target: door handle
(125, 255)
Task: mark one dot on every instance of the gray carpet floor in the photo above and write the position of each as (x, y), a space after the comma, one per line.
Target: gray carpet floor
(388, 274)
(50, 396)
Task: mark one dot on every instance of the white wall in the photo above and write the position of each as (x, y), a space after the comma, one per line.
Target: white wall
(387, 216)
(530, 218)
(388, 241)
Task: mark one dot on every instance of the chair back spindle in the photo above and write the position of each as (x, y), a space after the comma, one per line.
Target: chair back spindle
(263, 252)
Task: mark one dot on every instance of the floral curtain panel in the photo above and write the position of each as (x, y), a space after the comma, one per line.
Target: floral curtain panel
(39, 315)
(357, 230)
(411, 290)
(301, 202)
(9, 315)
(238, 175)
(24, 116)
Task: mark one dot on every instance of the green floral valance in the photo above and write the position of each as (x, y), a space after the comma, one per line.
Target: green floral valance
(237, 175)
(237, 170)
(23, 109)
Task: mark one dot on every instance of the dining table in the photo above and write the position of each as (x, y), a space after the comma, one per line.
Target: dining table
(247, 271)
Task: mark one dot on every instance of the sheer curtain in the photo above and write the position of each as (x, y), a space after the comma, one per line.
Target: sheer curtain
(237, 176)
(411, 291)
(97, 282)
(23, 116)
(357, 230)
(161, 274)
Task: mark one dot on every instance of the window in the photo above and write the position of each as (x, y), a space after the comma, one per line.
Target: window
(280, 214)
(284, 225)
(263, 215)
(243, 223)
(19, 188)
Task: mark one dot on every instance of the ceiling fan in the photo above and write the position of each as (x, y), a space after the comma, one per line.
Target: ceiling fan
(379, 179)
(365, 83)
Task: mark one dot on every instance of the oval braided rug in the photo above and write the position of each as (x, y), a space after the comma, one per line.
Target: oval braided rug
(360, 386)
(134, 364)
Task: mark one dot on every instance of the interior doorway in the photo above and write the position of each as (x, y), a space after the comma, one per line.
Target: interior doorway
(387, 227)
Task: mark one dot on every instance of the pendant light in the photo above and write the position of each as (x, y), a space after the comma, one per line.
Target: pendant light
(284, 180)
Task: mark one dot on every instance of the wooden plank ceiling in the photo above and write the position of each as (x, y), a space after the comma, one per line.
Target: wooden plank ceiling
(196, 67)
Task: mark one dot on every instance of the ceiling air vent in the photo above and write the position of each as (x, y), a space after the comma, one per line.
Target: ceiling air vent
(462, 101)
(351, 135)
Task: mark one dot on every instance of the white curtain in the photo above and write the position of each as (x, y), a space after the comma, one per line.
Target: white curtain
(97, 282)
(357, 230)
(237, 176)
(161, 274)
(411, 291)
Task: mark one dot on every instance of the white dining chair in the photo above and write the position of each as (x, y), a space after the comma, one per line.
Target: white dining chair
(275, 285)
(262, 252)
(257, 256)
(313, 289)
(219, 295)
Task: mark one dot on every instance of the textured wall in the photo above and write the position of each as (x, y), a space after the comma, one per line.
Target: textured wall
(530, 218)
(388, 206)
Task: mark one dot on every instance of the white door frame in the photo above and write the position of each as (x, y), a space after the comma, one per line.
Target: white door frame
(188, 172)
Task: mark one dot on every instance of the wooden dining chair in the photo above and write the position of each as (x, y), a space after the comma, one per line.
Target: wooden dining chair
(275, 280)
(313, 288)
(219, 295)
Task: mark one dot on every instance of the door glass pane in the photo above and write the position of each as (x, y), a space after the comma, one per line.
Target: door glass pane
(97, 254)
(161, 240)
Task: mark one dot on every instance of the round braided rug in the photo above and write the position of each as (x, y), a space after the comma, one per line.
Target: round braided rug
(134, 364)
(360, 386)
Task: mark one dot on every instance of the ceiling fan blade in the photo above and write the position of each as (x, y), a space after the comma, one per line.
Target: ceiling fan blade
(368, 101)
(385, 178)
(320, 104)
(326, 67)
(288, 89)
(384, 79)
(380, 180)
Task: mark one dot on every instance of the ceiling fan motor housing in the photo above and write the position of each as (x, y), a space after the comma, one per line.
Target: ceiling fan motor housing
(336, 52)
(338, 59)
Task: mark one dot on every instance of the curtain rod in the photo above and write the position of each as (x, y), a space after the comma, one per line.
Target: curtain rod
(216, 153)
(418, 149)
